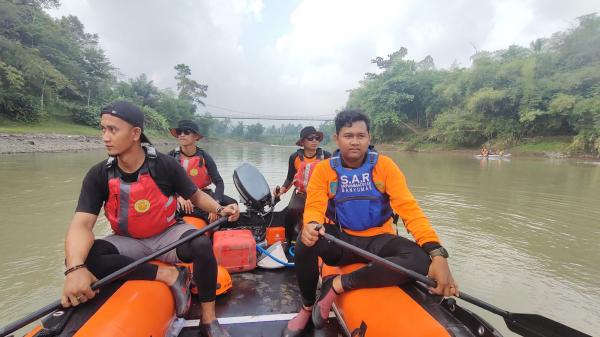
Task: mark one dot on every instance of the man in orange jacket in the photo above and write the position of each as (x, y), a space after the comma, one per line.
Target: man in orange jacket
(355, 194)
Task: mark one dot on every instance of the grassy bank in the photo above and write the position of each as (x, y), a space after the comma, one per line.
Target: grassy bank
(539, 146)
(47, 126)
(58, 125)
(543, 145)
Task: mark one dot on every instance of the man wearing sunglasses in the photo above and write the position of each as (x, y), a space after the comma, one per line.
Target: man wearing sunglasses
(137, 186)
(301, 165)
(200, 168)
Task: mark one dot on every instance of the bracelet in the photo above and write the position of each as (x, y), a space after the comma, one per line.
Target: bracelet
(219, 210)
(72, 269)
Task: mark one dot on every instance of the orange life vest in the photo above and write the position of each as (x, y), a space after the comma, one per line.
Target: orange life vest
(138, 209)
(305, 170)
(195, 167)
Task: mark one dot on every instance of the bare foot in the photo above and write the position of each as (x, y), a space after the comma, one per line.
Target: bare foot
(167, 274)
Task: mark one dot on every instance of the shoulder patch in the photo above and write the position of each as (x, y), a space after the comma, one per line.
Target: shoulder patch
(333, 187)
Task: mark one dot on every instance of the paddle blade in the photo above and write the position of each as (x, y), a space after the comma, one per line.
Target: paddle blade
(529, 325)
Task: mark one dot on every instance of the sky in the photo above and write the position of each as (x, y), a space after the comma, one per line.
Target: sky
(300, 58)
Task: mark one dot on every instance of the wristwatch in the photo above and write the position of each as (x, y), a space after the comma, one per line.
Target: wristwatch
(220, 210)
(441, 251)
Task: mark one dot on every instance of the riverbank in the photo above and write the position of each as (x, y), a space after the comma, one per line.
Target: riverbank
(28, 143)
(57, 135)
(546, 147)
(51, 142)
(16, 142)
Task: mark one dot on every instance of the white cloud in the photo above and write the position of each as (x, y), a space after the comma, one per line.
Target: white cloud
(253, 7)
(511, 20)
(255, 61)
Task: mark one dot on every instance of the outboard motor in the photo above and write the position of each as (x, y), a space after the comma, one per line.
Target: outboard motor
(253, 188)
(256, 195)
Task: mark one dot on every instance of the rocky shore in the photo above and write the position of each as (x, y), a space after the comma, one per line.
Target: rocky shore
(29, 143)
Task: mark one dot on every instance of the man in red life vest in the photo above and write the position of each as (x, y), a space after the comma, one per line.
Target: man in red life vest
(301, 164)
(137, 187)
(200, 167)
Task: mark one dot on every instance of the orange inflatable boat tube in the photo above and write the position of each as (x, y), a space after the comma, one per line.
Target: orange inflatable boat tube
(387, 312)
(137, 308)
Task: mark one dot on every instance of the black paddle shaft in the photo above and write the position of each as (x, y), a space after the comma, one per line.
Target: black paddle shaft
(16, 325)
(527, 325)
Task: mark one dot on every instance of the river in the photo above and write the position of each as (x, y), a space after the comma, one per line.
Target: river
(523, 234)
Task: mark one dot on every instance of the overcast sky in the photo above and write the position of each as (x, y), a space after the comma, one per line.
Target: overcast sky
(299, 58)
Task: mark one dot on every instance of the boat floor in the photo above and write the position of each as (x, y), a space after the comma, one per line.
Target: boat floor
(259, 304)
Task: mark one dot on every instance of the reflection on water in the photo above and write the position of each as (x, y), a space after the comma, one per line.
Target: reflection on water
(523, 234)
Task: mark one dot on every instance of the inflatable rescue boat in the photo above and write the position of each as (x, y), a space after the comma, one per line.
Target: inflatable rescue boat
(259, 302)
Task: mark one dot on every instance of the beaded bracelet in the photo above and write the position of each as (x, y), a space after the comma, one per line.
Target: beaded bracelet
(72, 269)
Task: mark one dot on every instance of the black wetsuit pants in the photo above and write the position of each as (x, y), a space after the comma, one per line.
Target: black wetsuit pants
(393, 248)
(104, 258)
(293, 217)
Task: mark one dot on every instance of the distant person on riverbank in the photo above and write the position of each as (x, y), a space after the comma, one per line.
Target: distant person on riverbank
(200, 168)
(137, 187)
(353, 196)
(300, 167)
(484, 151)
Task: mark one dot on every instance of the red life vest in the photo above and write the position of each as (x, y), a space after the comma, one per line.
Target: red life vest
(195, 167)
(138, 209)
(305, 170)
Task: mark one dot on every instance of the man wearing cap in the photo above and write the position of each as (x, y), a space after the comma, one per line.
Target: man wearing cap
(136, 185)
(200, 167)
(300, 167)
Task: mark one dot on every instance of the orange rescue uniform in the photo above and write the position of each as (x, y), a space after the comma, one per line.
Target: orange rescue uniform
(390, 180)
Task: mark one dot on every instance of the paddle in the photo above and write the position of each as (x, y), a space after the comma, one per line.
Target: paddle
(14, 326)
(528, 325)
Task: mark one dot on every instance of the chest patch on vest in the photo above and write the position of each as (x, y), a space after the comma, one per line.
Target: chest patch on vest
(193, 172)
(142, 206)
(356, 183)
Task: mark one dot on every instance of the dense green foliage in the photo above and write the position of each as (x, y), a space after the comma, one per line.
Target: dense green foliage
(551, 88)
(51, 64)
(285, 134)
(51, 69)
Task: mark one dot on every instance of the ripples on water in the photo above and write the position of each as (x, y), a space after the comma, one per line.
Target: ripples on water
(523, 234)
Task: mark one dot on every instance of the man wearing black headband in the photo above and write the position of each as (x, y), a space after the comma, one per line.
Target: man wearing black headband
(137, 186)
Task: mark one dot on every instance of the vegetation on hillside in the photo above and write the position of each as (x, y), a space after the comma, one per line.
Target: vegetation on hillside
(551, 88)
(53, 71)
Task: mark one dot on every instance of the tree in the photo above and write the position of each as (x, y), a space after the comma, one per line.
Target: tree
(205, 124)
(426, 64)
(173, 108)
(144, 90)
(61, 65)
(188, 88)
(395, 56)
(254, 131)
(221, 127)
(238, 130)
(545, 89)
